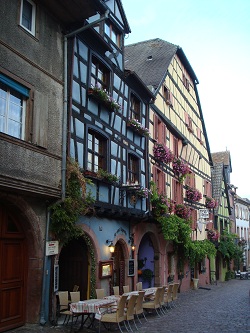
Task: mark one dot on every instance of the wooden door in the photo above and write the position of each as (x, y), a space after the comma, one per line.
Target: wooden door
(13, 269)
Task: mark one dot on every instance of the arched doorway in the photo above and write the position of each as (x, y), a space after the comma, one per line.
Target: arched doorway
(13, 271)
(74, 267)
(119, 267)
(146, 257)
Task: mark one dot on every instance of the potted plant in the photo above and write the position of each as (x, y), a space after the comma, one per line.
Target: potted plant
(140, 265)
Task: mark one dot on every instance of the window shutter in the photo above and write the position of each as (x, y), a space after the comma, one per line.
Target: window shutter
(40, 120)
(187, 120)
(175, 147)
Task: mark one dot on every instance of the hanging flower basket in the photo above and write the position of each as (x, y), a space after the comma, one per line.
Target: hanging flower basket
(181, 169)
(210, 202)
(162, 153)
(138, 127)
(182, 211)
(213, 235)
(193, 194)
(101, 95)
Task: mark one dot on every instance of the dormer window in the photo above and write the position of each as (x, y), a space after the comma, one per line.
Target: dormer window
(113, 34)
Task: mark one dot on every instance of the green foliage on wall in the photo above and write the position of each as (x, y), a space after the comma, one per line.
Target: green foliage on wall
(65, 213)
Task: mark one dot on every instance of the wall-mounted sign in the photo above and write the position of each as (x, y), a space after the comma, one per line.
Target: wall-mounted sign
(203, 213)
(51, 248)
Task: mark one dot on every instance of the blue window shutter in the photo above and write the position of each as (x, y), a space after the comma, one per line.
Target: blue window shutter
(14, 85)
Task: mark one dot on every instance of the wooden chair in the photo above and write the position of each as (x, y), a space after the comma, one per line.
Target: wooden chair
(100, 293)
(117, 317)
(64, 307)
(155, 303)
(162, 301)
(116, 290)
(169, 295)
(139, 306)
(139, 286)
(75, 296)
(126, 289)
(174, 294)
(130, 311)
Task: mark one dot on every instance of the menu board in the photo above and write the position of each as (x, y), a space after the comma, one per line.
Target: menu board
(131, 267)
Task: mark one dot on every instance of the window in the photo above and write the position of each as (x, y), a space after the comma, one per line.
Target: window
(97, 150)
(13, 98)
(28, 16)
(168, 96)
(135, 107)
(113, 34)
(133, 169)
(100, 75)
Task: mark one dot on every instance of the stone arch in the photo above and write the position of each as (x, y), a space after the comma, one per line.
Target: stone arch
(34, 235)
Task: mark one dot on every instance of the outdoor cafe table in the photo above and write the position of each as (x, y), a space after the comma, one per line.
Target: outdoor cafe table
(88, 307)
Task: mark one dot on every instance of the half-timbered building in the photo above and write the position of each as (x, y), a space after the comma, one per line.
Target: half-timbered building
(108, 123)
(177, 126)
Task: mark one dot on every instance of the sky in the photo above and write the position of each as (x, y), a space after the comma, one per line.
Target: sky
(215, 37)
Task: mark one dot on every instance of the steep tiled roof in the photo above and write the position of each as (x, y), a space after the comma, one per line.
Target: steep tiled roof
(222, 157)
(150, 59)
(217, 178)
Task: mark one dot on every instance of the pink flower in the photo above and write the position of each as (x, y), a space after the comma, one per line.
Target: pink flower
(163, 153)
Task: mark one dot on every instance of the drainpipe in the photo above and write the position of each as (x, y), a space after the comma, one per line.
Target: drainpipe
(65, 97)
(45, 272)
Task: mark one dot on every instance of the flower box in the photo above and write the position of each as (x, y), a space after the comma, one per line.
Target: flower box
(213, 235)
(102, 96)
(138, 127)
(162, 153)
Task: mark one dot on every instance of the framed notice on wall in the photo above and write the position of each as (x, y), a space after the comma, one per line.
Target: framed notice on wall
(131, 267)
(105, 269)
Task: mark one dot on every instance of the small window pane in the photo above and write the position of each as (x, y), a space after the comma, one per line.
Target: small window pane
(27, 15)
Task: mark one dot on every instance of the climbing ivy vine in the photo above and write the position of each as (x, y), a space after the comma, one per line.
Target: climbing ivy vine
(65, 213)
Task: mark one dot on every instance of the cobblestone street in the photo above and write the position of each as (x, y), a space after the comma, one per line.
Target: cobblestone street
(224, 308)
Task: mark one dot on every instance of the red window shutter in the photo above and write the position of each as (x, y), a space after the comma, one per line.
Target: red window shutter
(194, 219)
(162, 180)
(175, 147)
(198, 133)
(187, 120)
